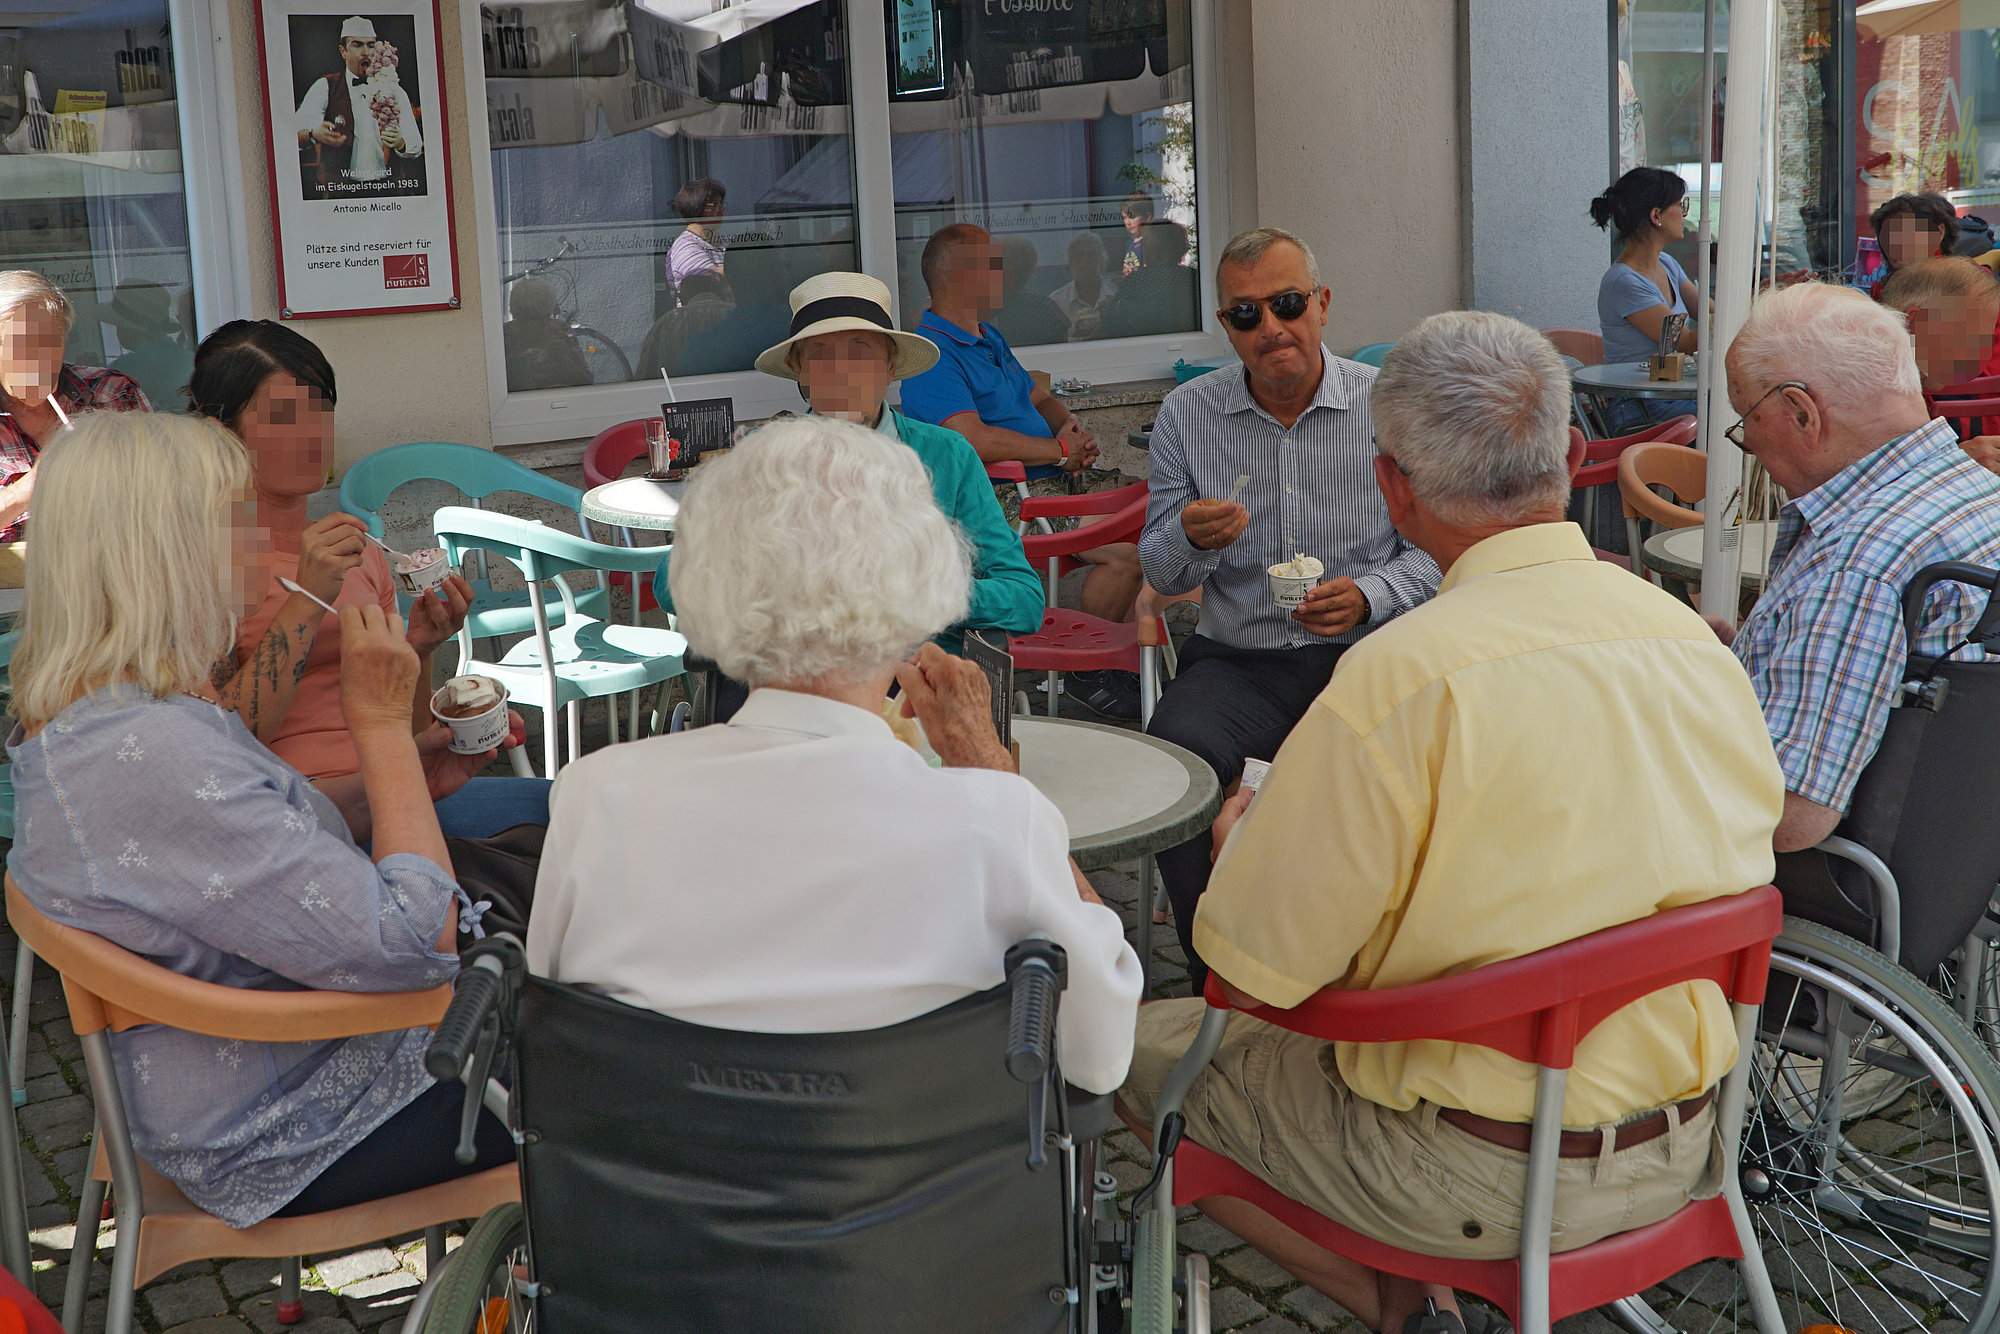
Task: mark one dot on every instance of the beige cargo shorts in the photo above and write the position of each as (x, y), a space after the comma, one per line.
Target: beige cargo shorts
(1274, 1102)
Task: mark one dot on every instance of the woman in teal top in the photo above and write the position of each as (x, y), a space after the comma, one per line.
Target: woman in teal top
(844, 350)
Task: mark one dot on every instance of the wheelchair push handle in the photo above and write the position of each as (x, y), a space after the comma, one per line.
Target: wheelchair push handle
(1037, 972)
(1949, 572)
(478, 986)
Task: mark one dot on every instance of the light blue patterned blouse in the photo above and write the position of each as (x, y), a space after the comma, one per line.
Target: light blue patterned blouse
(162, 825)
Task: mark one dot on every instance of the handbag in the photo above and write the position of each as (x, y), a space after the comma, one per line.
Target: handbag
(500, 872)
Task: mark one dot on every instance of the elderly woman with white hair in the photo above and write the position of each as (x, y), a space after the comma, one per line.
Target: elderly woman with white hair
(806, 870)
(148, 814)
(39, 391)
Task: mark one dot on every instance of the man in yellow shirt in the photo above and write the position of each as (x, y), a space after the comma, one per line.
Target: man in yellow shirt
(1548, 748)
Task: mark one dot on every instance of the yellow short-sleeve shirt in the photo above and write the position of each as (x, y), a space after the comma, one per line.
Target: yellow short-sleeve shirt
(1547, 748)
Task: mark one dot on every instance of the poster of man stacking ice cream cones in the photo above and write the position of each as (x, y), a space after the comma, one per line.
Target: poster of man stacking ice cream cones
(360, 182)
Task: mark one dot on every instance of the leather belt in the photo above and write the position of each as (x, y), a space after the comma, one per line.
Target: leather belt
(1516, 1135)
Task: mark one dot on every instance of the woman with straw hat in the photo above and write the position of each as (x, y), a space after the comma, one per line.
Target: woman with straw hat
(844, 350)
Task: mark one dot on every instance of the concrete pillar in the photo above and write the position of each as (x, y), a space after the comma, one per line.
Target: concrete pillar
(1535, 121)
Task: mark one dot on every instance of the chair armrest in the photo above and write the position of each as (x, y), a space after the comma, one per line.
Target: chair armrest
(1007, 470)
(110, 987)
(1193, 1061)
(1123, 526)
(1888, 900)
(1153, 630)
(1072, 507)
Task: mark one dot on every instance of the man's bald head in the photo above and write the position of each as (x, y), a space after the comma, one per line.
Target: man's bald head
(1952, 305)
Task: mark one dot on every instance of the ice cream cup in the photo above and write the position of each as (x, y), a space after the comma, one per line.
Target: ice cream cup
(1289, 590)
(481, 732)
(427, 568)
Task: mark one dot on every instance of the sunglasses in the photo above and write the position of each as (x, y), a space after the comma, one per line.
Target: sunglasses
(1247, 315)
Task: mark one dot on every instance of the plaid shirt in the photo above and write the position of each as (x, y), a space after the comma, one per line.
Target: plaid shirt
(79, 389)
(1825, 646)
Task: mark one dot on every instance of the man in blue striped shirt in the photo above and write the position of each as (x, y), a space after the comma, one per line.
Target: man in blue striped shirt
(1827, 388)
(1294, 423)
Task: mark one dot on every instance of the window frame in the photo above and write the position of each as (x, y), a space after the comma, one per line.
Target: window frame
(542, 416)
(212, 183)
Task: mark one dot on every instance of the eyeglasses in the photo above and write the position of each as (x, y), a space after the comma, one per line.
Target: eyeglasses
(1247, 315)
(1734, 435)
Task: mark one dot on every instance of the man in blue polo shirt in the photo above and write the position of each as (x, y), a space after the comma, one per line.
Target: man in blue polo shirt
(980, 390)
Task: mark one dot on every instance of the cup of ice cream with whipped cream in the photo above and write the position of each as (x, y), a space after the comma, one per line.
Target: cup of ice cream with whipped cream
(419, 571)
(1291, 580)
(475, 709)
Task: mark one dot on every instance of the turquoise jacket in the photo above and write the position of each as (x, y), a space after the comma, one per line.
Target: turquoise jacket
(1006, 592)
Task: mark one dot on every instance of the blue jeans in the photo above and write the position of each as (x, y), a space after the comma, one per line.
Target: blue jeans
(485, 806)
(1626, 415)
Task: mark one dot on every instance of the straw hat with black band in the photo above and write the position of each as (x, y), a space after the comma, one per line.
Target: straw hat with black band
(840, 302)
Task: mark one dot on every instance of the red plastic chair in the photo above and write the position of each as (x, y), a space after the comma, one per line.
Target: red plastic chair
(1016, 472)
(1586, 345)
(610, 452)
(1965, 414)
(1600, 468)
(1536, 1009)
(21, 1313)
(1070, 641)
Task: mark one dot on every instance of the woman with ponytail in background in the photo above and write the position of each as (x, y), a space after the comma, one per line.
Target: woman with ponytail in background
(1648, 209)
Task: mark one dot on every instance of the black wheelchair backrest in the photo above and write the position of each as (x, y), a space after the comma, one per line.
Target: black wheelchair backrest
(683, 1178)
(1925, 804)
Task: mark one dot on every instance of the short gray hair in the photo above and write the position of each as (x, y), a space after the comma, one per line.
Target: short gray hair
(1246, 248)
(1851, 350)
(25, 287)
(132, 577)
(1475, 407)
(815, 550)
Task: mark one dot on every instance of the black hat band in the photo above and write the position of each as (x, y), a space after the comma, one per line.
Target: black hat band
(838, 307)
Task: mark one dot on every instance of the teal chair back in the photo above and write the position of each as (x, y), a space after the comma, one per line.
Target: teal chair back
(477, 473)
(540, 552)
(1372, 354)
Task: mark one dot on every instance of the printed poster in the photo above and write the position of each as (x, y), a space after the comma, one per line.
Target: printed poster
(360, 167)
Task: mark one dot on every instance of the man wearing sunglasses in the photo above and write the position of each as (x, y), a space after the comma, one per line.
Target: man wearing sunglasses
(1830, 404)
(1294, 422)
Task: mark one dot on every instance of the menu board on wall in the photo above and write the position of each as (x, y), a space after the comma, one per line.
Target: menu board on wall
(359, 165)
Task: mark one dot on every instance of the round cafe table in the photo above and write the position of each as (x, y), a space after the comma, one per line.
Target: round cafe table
(1124, 795)
(1627, 379)
(1676, 552)
(634, 502)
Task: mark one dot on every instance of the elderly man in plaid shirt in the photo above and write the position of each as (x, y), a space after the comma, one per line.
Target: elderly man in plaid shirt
(1827, 388)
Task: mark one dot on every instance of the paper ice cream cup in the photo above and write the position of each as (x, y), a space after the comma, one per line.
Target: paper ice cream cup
(1289, 590)
(428, 567)
(482, 731)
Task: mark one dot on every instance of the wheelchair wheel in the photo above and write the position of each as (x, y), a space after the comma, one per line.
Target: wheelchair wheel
(477, 1292)
(1870, 1154)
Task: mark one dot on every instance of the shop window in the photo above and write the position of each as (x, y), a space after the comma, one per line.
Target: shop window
(1067, 131)
(91, 193)
(662, 178)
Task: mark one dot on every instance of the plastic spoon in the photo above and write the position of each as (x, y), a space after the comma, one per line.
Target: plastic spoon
(291, 587)
(394, 554)
(1242, 480)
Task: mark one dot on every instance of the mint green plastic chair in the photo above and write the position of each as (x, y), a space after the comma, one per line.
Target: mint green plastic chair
(1372, 354)
(477, 473)
(583, 658)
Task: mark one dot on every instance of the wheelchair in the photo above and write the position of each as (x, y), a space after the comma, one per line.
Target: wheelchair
(681, 1178)
(1870, 1156)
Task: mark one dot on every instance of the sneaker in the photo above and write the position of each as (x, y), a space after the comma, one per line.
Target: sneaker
(1106, 694)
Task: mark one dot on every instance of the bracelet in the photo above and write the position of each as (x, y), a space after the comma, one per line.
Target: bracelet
(1064, 447)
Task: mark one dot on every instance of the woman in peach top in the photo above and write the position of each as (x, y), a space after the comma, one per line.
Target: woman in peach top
(275, 390)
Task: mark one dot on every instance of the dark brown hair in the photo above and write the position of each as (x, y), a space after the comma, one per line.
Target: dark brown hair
(1933, 211)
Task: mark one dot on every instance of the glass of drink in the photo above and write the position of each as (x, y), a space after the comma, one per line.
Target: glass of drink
(659, 448)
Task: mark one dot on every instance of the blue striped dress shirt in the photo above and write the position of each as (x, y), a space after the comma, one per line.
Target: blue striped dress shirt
(1311, 490)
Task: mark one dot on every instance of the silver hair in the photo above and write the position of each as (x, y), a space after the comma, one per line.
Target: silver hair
(25, 287)
(1475, 408)
(1246, 248)
(1850, 350)
(815, 551)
